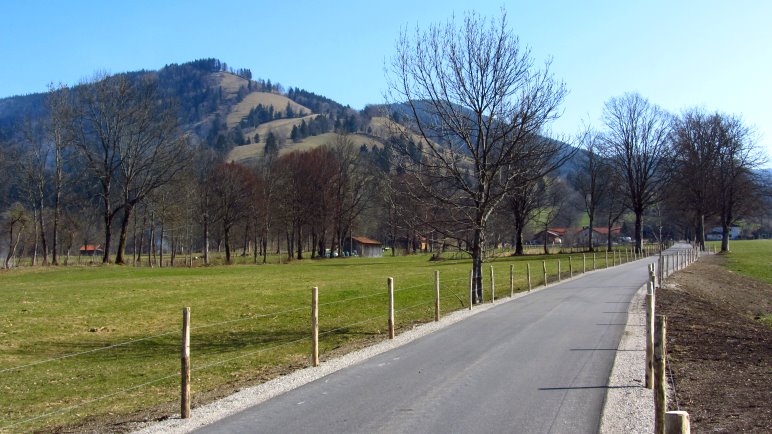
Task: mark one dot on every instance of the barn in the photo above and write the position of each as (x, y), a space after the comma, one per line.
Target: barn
(366, 247)
(91, 250)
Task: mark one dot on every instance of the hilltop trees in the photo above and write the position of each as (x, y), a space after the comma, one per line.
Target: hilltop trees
(476, 99)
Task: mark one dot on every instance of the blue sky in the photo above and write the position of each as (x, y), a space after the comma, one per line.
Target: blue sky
(678, 54)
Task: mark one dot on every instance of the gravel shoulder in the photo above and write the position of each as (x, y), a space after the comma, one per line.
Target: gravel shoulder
(629, 406)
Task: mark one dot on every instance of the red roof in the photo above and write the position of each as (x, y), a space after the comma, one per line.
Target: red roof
(365, 240)
(604, 230)
(90, 248)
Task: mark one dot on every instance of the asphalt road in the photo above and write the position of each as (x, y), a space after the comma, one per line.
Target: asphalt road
(534, 365)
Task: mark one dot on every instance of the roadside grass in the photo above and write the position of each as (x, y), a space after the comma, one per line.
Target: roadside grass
(84, 343)
(751, 258)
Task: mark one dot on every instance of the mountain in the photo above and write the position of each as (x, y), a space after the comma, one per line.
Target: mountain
(223, 109)
(226, 110)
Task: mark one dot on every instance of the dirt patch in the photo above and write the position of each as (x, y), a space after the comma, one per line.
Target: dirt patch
(719, 351)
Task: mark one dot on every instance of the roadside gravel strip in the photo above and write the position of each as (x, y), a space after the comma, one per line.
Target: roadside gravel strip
(628, 407)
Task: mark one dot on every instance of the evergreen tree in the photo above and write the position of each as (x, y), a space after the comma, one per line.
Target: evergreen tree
(271, 144)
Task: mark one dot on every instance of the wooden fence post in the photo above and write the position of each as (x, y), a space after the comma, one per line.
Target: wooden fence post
(315, 326)
(660, 385)
(584, 263)
(471, 288)
(677, 422)
(528, 269)
(390, 284)
(544, 265)
(593, 262)
(570, 267)
(436, 295)
(493, 288)
(606, 258)
(558, 269)
(511, 280)
(627, 255)
(649, 383)
(185, 383)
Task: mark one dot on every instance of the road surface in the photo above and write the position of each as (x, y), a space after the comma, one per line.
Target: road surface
(538, 364)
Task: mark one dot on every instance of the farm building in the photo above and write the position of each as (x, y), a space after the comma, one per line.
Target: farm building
(366, 247)
(91, 250)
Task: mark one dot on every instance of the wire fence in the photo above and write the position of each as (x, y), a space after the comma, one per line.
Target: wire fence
(452, 290)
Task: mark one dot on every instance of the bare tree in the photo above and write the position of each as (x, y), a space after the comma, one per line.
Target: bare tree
(15, 220)
(232, 191)
(475, 98)
(738, 154)
(129, 143)
(637, 144)
(60, 114)
(696, 148)
(591, 179)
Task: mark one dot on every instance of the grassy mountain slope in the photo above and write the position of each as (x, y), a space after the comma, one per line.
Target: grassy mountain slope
(267, 99)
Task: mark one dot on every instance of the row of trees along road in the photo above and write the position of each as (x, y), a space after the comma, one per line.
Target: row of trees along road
(469, 161)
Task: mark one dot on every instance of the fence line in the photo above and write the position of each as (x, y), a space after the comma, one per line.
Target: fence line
(429, 284)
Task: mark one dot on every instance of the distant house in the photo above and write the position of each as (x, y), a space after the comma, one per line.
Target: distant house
(599, 234)
(577, 236)
(554, 236)
(91, 250)
(366, 247)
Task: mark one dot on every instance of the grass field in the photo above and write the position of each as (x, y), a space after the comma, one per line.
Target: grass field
(751, 258)
(84, 343)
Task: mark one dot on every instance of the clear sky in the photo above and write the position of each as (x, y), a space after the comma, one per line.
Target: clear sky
(678, 54)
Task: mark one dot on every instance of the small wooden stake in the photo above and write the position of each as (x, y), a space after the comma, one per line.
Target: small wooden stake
(436, 295)
(593, 262)
(677, 422)
(606, 258)
(185, 383)
(315, 326)
(649, 383)
(390, 284)
(471, 289)
(570, 267)
(528, 270)
(511, 280)
(584, 263)
(544, 265)
(660, 385)
(558, 269)
(493, 288)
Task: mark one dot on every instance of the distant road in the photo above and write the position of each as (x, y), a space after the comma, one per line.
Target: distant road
(537, 364)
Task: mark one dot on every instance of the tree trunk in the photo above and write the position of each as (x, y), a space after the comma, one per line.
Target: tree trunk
(519, 240)
(161, 247)
(299, 242)
(477, 248)
(124, 233)
(725, 235)
(108, 218)
(638, 231)
(227, 235)
(206, 241)
(35, 238)
(591, 232)
(701, 232)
